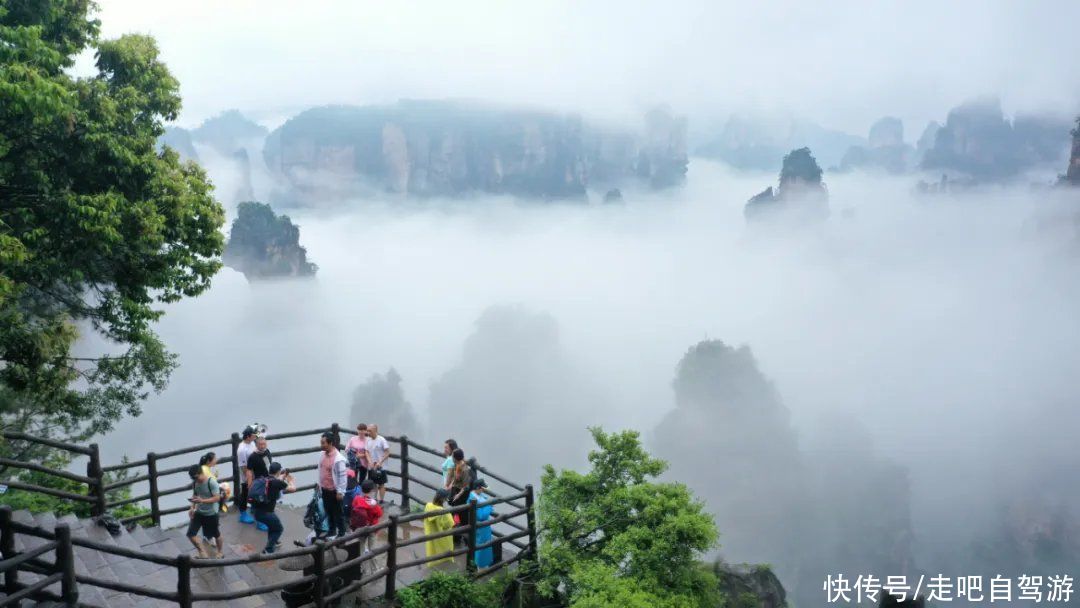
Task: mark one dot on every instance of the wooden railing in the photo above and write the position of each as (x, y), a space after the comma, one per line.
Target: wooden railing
(60, 541)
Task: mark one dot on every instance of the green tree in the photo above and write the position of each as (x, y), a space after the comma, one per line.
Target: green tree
(799, 165)
(263, 244)
(97, 226)
(614, 536)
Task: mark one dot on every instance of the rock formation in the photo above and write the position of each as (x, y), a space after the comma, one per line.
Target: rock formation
(382, 401)
(758, 144)
(1072, 174)
(927, 139)
(885, 150)
(980, 142)
(801, 194)
(730, 440)
(515, 376)
(808, 514)
(227, 132)
(445, 148)
(749, 585)
(263, 245)
(180, 140)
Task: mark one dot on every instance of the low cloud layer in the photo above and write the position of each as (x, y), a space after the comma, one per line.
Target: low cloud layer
(932, 338)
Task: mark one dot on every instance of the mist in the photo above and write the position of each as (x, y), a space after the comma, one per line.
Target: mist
(898, 381)
(933, 340)
(843, 62)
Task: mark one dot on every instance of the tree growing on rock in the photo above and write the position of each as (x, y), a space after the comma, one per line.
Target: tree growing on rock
(615, 536)
(264, 245)
(801, 194)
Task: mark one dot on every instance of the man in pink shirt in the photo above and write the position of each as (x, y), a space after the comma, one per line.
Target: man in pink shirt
(332, 482)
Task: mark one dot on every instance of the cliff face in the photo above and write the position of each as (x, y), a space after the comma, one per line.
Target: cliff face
(885, 151)
(801, 194)
(1072, 175)
(424, 149)
(263, 245)
(758, 144)
(978, 141)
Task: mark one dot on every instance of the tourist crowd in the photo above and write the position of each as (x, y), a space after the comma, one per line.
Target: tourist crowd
(350, 493)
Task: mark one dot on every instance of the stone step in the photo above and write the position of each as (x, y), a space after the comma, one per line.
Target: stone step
(240, 541)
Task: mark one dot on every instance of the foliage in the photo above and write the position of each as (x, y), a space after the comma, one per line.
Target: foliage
(613, 537)
(263, 244)
(40, 503)
(442, 590)
(96, 224)
(800, 165)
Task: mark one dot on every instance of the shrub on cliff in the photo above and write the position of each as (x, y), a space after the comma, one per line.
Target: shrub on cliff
(613, 536)
(265, 245)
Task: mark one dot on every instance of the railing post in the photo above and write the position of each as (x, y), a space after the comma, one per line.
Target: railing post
(391, 558)
(183, 580)
(320, 571)
(235, 440)
(7, 548)
(404, 474)
(65, 564)
(530, 517)
(94, 472)
(470, 557)
(155, 508)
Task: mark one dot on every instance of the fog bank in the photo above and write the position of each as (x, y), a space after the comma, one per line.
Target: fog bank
(937, 335)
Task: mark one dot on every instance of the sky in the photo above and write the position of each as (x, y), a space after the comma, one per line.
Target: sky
(843, 63)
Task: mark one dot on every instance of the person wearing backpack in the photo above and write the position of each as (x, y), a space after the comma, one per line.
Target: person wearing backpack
(365, 509)
(204, 512)
(265, 493)
(258, 466)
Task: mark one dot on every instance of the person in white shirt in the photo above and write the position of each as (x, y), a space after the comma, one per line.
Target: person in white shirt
(378, 450)
(243, 451)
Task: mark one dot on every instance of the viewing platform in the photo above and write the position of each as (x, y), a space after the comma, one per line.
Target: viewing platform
(71, 561)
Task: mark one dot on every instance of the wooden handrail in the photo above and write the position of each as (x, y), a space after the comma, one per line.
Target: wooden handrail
(33, 466)
(61, 541)
(52, 443)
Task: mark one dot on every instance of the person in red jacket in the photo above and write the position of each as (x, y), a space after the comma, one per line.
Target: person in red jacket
(365, 509)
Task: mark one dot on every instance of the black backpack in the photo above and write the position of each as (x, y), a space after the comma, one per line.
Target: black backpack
(259, 492)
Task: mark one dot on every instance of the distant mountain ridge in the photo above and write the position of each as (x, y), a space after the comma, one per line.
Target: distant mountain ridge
(451, 148)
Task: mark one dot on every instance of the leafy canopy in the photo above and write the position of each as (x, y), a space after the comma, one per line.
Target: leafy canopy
(96, 225)
(613, 536)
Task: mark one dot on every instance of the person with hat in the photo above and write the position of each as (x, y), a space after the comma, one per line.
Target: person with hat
(436, 524)
(243, 451)
(482, 557)
(278, 482)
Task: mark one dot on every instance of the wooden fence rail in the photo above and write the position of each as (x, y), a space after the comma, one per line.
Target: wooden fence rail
(60, 543)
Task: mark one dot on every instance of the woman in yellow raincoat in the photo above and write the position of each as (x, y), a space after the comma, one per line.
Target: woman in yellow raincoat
(438, 523)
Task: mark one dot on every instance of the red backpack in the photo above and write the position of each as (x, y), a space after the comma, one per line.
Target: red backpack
(364, 512)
